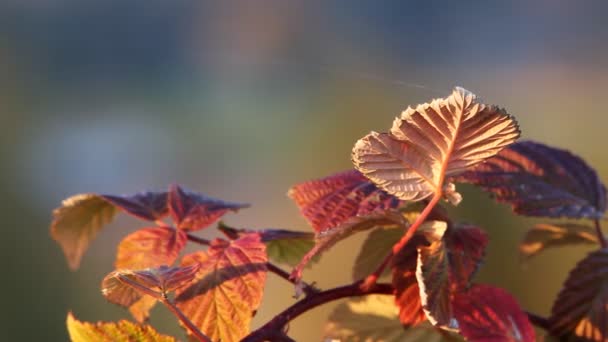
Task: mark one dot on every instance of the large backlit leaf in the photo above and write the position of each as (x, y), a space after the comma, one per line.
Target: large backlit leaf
(228, 289)
(125, 287)
(282, 246)
(435, 140)
(407, 292)
(149, 205)
(327, 238)
(490, 314)
(150, 247)
(580, 311)
(76, 223)
(122, 331)
(538, 180)
(331, 201)
(375, 319)
(193, 211)
(543, 236)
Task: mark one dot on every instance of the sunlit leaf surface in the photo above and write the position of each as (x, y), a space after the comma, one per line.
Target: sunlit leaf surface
(77, 222)
(150, 247)
(434, 140)
(580, 312)
(122, 331)
(193, 211)
(543, 236)
(538, 180)
(374, 319)
(228, 288)
(489, 314)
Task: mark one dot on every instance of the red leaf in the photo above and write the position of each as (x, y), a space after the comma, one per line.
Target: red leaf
(148, 205)
(329, 202)
(581, 308)
(538, 180)
(490, 314)
(466, 245)
(193, 211)
(125, 287)
(228, 289)
(150, 247)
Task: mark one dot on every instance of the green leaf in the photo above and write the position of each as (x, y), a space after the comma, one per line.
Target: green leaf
(122, 331)
(374, 318)
(374, 250)
(543, 236)
(77, 222)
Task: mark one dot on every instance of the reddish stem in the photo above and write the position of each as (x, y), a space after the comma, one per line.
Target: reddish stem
(268, 331)
(537, 320)
(185, 320)
(198, 240)
(600, 234)
(412, 229)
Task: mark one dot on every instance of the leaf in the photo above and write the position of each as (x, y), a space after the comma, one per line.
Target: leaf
(150, 247)
(331, 201)
(543, 236)
(194, 211)
(446, 267)
(126, 287)
(228, 289)
(538, 180)
(375, 248)
(490, 314)
(431, 142)
(374, 318)
(77, 222)
(149, 205)
(407, 292)
(282, 246)
(326, 239)
(140, 310)
(123, 331)
(580, 311)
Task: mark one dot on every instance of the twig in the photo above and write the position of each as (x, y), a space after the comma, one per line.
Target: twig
(537, 320)
(198, 240)
(307, 288)
(185, 320)
(600, 234)
(268, 331)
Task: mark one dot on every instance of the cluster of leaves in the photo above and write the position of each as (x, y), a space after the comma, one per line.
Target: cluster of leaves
(394, 192)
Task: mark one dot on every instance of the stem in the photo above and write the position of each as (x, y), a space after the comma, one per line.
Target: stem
(372, 278)
(198, 240)
(269, 330)
(600, 234)
(539, 321)
(419, 220)
(185, 321)
(307, 288)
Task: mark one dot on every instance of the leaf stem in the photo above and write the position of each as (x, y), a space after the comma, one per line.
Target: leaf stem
(600, 234)
(419, 220)
(537, 320)
(307, 288)
(268, 331)
(185, 321)
(198, 240)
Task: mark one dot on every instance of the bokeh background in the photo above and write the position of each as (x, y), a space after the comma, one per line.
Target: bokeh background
(240, 100)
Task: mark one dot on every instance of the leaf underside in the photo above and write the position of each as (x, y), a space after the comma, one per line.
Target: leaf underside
(435, 140)
(113, 331)
(543, 236)
(489, 314)
(538, 180)
(227, 289)
(148, 205)
(580, 312)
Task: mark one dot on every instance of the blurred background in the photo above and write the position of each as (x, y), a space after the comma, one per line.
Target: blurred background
(240, 100)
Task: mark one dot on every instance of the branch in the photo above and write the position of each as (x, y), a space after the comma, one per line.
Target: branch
(198, 240)
(600, 234)
(537, 320)
(270, 329)
(307, 288)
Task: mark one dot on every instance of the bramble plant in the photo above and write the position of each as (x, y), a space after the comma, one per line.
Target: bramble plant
(395, 189)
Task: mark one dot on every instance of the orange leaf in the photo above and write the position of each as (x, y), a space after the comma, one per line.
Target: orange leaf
(581, 308)
(126, 287)
(228, 289)
(150, 247)
(193, 211)
(77, 222)
(431, 142)
(123, 331)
